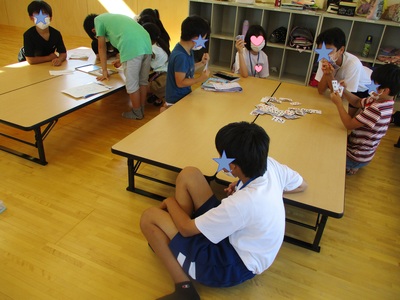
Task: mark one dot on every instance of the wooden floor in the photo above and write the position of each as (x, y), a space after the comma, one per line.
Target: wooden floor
(71, 229)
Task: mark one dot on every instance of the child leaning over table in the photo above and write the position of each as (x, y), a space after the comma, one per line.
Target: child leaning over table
(370, 125)
(42, 42)
(223, 243)
(181, 66)
(250, 59)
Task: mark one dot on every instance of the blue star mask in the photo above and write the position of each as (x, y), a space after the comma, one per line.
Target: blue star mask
(200, 42)
(323, 52)
(372, 87)
(223, 162)
(41, 18)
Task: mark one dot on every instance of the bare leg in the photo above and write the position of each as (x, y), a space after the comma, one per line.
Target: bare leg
(158, 228)
(192, 189)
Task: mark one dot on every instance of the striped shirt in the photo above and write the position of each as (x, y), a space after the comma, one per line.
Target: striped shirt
(375, 117)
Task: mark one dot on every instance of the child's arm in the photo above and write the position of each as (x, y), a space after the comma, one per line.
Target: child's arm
(326, 80)
(185, 225)
(348, 122)
(301, 188)
(33, 60)
(242, 63)
(182, 81)
(103, 58)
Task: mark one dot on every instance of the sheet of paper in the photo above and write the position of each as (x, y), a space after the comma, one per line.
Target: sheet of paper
(86, 90)
(60, 72)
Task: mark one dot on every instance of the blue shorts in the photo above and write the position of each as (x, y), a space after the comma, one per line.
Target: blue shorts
(352, 164)
(216, 265)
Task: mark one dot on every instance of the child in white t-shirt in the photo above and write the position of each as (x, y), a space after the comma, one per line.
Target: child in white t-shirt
(223, 243)
(158, 64)
(250, 59)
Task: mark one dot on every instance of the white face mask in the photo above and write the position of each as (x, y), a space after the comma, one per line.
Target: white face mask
(197, 48)
(375, 95)
(258, 48)
(229, 174)
(42, 25)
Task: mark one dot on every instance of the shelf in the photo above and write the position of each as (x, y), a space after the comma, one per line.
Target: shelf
(286, 63)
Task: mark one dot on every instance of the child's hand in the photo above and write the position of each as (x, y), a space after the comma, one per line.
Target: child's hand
(239, 45)
(104, 76)
(56, 62)
(343, 83)
(205, 74)
(327, 68)
(116, 63)
(230, 189)
(205, 58)
(335, 97)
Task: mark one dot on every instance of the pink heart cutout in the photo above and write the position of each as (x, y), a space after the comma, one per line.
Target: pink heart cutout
(258, 68)
(257, 40)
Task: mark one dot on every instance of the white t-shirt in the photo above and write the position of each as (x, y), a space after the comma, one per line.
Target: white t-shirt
(260, 59)
(160, 61)
(355, 75)
(253, 217)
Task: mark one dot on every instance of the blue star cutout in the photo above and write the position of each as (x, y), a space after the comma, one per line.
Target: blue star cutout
(223, 162)
(200, 42)
(372, 87)
(323, 52)
(41, 17)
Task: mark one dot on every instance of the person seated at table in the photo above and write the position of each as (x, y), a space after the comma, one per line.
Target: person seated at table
(342, 66)
(111, 50)
(134, 45)
(159, 65)
(370, 125)
(42, 43)
(251, 59)
(223, 243)
(181, 66)
(153, 16)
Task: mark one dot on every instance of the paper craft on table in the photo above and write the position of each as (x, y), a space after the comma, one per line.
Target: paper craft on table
(86, 90)
(221, 85)
(79, 56)
(60, 72)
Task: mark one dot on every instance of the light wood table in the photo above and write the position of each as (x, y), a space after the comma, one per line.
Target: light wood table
(19, 75)
(184, 134)
(315, 146)
(41, 104)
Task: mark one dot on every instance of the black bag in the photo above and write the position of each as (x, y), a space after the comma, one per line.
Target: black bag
(278, 35)
(301, 38)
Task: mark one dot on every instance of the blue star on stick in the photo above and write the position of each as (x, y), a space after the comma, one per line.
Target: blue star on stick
(223, 162)
(200, 41)
(372, 87)
(323, 52)
(41, 17)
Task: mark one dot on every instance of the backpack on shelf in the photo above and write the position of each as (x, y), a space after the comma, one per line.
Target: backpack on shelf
(301, 38)
(278, 35)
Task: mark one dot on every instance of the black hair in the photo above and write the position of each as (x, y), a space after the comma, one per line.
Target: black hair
(332, 36)
(193, 26)
(88, 25)
(387, 76)
(37, 6)
(248, 144)
(155, 36)
(153, 16)
(256, 30)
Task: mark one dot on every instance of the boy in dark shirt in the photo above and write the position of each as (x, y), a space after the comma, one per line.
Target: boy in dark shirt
(42, 42)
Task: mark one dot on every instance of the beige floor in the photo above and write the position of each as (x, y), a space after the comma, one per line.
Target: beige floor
(71, 230)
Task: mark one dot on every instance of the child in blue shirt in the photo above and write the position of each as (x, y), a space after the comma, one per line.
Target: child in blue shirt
(181, 66)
